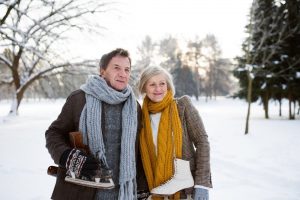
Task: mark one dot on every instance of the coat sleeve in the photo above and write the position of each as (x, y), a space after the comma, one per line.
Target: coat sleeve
(142, 185)
(57, 134)
(197, 134)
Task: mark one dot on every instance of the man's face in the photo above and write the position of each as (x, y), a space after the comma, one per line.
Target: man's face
(117, 72)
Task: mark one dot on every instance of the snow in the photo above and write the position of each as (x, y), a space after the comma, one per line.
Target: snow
(263, 165)
(5, 60)
(249, 67)
(240, 69)
(269, 76)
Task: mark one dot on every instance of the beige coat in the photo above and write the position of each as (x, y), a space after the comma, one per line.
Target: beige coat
(195, 145)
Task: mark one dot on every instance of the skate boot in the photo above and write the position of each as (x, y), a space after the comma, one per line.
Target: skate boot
(104, 178)
(181, 179)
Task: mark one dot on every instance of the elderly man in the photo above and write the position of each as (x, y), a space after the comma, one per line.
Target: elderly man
(105, 111)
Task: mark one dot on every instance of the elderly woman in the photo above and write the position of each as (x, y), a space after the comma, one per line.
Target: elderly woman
(172, 128)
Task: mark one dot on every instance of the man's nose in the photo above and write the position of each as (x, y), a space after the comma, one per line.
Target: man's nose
(122, 73)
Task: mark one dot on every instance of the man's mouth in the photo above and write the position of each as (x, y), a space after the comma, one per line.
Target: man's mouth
(120, 81)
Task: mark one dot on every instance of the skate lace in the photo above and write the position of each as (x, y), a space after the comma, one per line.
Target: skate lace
(166, 182)
(169, 180)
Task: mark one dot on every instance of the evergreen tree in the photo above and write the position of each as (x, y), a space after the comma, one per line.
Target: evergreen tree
(290, 69)
(270, 52)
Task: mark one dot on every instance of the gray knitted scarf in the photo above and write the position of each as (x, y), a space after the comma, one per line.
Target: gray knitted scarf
(97, 91)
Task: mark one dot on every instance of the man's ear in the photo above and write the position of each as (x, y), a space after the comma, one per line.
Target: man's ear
(101, 72)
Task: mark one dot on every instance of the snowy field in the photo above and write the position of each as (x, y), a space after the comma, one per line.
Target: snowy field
(264, 165)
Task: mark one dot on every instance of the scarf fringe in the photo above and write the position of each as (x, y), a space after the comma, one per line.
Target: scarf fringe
(126, 189)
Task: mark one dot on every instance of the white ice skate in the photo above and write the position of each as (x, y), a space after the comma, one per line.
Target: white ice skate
(182, 179)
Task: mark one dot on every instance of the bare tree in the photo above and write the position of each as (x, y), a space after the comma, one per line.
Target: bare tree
(170, 52)
(146, 57)
(211, 51)
(192, 59)
(30, 32)
(146, 52)
(9, 7)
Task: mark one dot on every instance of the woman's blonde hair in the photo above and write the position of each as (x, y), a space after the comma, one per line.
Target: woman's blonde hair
(151, 71)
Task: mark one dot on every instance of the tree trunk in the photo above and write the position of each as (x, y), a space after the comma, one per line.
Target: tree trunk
(280, 113)
(294, 113)
(298, 107)
(266, 104)
(13, 108)
(249, 98)
(291, 116)
(16, 102)
(215, 92)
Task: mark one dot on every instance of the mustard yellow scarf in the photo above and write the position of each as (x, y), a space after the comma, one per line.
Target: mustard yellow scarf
(159, 167)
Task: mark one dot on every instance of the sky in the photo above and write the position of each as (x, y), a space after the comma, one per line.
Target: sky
(263, 165)
(131, 20)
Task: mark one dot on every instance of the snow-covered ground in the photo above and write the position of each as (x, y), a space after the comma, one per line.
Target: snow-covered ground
(263, 165)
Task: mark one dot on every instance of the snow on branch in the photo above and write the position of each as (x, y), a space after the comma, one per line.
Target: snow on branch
(10, 7)
(50, 19)
(6, 61)
(52, 68)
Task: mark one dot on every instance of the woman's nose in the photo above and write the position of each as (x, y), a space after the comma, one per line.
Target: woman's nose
(156, 87)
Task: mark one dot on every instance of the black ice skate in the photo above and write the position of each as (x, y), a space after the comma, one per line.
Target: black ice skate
(102, 179)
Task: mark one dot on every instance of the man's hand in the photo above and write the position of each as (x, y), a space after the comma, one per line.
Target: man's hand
(80, 163)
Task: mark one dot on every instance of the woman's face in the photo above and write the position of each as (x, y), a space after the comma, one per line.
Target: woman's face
(156, 88)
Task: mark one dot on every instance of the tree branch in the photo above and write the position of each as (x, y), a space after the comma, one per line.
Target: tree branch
(7, 62)
(9, 9)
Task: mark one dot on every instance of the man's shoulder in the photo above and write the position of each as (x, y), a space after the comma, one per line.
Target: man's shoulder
(77, 94)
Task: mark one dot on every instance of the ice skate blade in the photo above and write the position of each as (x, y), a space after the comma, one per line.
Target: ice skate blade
(161, 195)
(92, 184)
(166, 195)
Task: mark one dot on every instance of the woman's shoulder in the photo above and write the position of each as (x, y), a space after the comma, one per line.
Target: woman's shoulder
(183, 100)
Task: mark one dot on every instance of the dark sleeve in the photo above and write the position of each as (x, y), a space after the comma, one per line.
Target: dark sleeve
(57, 134)
(142, 184)
(199, 138)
